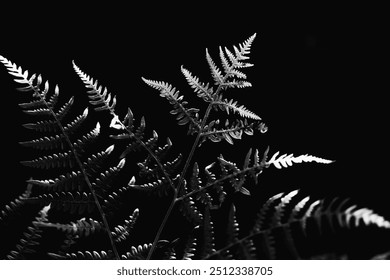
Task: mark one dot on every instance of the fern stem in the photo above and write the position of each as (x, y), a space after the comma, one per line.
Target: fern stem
(162, 226)
(86, 179)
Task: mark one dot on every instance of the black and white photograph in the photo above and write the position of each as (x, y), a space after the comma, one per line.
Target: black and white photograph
(199, 134)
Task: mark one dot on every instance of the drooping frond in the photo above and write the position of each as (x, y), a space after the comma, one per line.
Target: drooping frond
(288, 160)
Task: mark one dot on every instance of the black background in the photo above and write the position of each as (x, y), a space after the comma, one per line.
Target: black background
(315, 83)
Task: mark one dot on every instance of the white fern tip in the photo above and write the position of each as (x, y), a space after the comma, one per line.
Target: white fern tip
(288, 160)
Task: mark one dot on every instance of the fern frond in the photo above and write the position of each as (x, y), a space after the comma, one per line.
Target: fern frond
(214, 132)
(84, 255)
(99, 96)
(66, 182)
(138, 253)
(78, 202)
(189, 209)
(215, 72)
(288, 160)
(280, 208)
(207, 244)
(184, 115)
(46, 143)
(20, 75)
(29, 244)
(231, 62)
(43, 126)
(122, 232)
(13, 207)
(159, 187)
(203, 91)
(59, 160)
(231, 105)
(190, 245)
(82, 227)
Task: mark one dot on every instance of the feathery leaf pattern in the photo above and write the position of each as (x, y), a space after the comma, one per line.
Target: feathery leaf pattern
(89, 197)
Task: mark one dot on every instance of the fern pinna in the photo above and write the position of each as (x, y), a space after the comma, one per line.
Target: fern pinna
(87, 188)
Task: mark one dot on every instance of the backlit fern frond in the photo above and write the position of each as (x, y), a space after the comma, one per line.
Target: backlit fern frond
(122, 232)
(231, 105)
(99, 96)
(184, 115)
(84, 255)
(29, 243)
(288, 160)
(13, 207)
(82, 227)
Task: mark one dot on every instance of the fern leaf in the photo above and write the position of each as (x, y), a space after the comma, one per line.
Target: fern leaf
(84, 255)
(59, 160)
(138, 253)
(232, 105)
(184, 115)
(288, 160)
(66, 182)
(233, 228)
(64, 110)
(99, 96)
(29, 244)
(215, 72)
(207, 245)
(87, 139)
(76, 123)
(95, 161)
(66, 202)
(261, 222)
(231, 61)
(159, 187)
(20, 75)
(46, 143)
(43, 126)
(13, 207)
(122, 232)
(280, 208)
(189, 209)
(82, 227)
(203, 91)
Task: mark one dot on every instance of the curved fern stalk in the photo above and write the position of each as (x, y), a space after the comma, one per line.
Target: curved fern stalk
(23, 78)
(288, 160)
